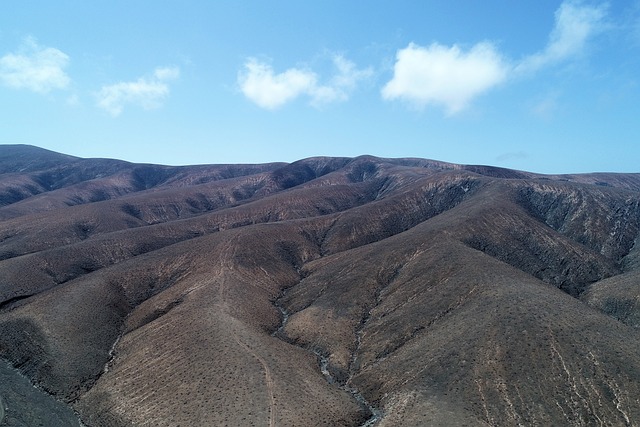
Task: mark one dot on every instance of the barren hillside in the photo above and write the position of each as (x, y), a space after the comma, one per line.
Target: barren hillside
(329, 291)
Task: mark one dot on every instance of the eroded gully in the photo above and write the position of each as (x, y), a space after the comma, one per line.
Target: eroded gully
(323, 363)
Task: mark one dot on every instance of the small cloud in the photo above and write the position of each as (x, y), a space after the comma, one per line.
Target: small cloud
(35, 68)
(546, 106)
(147, 92)
(260, 84)
(167, 73)
(444, 75)
(574, 25)
(73, 100)
(513, 155)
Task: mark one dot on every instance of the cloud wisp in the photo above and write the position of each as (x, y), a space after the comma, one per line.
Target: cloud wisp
(446, 76)
(146, 92)
(574, 25)
(260, 84)
(36, 68)
(342, 83)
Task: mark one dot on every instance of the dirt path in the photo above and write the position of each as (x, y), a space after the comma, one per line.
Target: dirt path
(268, 380)
(226, 265)
(228, 253)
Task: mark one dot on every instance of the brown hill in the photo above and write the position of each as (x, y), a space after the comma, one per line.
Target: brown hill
(329, 291)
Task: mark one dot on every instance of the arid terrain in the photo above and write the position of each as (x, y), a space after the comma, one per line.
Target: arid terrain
(325, 292)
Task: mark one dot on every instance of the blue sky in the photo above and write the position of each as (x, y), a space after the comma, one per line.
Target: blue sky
(545, 86)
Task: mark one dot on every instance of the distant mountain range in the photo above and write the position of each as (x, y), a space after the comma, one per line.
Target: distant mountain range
(325, 292)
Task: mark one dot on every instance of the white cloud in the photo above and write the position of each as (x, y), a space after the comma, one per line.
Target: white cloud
(574, 25)
(36, 68)
(452, 78)
(268, 90)
(147, 92)
(444, 75)
(261, 85)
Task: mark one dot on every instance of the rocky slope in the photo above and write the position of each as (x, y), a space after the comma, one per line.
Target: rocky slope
(329, 291)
